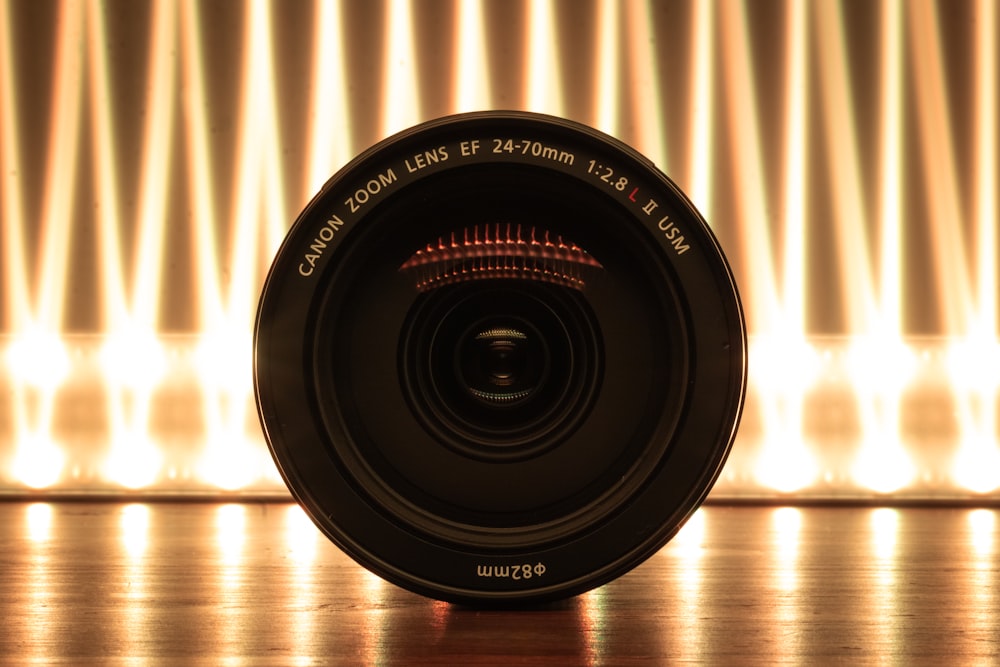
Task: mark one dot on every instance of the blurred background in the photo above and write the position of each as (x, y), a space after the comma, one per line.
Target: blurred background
(153, 154)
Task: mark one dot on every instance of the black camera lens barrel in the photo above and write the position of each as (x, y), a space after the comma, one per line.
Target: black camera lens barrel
(499, 358)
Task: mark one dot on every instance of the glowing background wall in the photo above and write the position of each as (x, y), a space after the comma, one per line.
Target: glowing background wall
(152, 155)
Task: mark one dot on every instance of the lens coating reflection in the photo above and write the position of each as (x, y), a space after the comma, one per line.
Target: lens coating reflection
(501, 365)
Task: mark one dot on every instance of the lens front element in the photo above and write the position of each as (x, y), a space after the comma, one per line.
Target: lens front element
(498, 362)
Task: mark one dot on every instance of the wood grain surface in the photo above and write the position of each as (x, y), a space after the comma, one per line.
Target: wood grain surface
(251, 584)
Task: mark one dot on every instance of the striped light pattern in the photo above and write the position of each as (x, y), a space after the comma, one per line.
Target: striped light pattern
(153, 154)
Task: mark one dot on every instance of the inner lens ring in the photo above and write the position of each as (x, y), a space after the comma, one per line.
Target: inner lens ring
(500, 365)
(440, 398)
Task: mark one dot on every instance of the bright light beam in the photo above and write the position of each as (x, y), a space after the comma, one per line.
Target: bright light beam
(939, 170)
(329, 144)
(643, 84)
(606, 88)
(541, 64)
(400, 95)
(16, 304)
(471, 89)
(155, 166)
(849, 218)
(701, 113)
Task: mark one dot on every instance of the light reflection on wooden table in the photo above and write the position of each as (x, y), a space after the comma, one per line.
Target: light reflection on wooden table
(115, 583)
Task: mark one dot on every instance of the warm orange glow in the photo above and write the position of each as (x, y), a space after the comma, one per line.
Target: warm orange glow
(838, 166)
(39, 522)
(689, 541)
(135, 529)
(543, 88)
(787, 527)
(301, 535)
(884, 530)
(471, 90)
(230, 531)
(38, 461)
(399, 80)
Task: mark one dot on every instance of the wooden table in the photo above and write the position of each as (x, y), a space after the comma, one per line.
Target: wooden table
(236, 584)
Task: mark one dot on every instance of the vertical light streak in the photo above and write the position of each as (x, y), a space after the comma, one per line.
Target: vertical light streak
(38, 519)
(16, 303)
(786, 464)
(541, 75)
(301, 538)
(471, 89)
(606, 89)
(199, 165)
(984, 579)
(400, 95)
(787, 528)
(882, 464)
(643, 84)
(685, 589)
(939, 169)
(329, 145)
(203, 218)
(761, 294)
(134, 526)
(258, 198)
(230, 532)
(135, 530)
(593, 624)
(983, 534)
(258, 202)
(112, 284)
(975, 360)
(60, 174)
(986, 213)
(794, 180)
(890, 186)
(156, 159)
(702, 109)
(873, 314)
(39, 460)
(131, 354)
(849, 219)
(884, 529)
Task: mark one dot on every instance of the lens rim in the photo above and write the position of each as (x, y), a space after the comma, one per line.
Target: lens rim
(300, 443)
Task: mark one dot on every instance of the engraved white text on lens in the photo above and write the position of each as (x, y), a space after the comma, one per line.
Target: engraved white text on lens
(514, 572)
(534, 149)
(607, 174)
(318, 245)
(426, 159)
(673, 234)
(370, 189)
(469, 147)
(666, 225)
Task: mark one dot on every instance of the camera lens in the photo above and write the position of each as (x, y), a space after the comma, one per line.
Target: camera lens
(499, 357)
